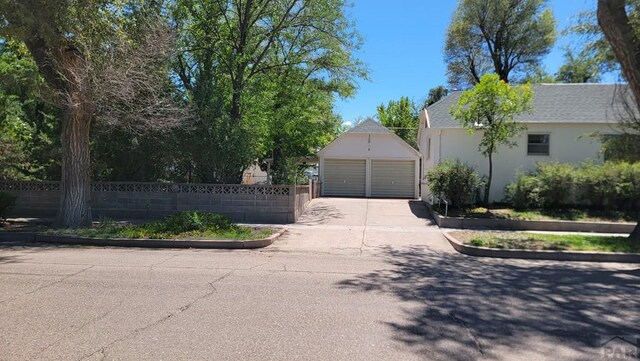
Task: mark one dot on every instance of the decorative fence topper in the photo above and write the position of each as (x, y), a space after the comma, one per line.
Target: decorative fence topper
(283, 190)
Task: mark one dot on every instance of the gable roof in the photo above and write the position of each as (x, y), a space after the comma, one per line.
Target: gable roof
(553, 103)
(369, 126)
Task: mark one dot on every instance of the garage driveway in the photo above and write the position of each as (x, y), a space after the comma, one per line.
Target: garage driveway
(359, 225)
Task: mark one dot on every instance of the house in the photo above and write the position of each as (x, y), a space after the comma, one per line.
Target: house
(369, 160)
(559, 128)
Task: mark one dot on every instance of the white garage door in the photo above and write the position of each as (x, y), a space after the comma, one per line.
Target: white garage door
(345, 177)
(393, 178)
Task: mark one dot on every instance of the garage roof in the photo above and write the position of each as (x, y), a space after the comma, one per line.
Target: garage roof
(369, 126)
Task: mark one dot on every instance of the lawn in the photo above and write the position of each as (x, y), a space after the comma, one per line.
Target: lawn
(538, 241)
(565, 214)
(185, 225)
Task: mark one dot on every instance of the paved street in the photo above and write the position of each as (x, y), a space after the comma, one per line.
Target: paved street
(353, 280)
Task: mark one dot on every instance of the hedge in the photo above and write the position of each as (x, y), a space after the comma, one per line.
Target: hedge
(600, 186)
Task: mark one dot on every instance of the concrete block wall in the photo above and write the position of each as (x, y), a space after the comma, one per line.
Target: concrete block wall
(242, 203)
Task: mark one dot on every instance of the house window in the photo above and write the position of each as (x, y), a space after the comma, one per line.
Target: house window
(538, 144)
(428, 147)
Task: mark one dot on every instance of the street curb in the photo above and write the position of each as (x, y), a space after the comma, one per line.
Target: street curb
(579, 256)
(524, 225)
(143, 243)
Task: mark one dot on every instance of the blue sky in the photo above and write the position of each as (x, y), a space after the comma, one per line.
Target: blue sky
(403, 42)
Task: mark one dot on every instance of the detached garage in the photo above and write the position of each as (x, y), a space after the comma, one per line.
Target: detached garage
(369, 161)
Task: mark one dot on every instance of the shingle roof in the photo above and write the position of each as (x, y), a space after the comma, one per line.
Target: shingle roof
(553, 103)
(369, 126)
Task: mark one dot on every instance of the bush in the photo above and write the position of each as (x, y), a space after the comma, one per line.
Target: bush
(455, 181)
(189, 221)
(524, 192)
(601, 186)
(7, 201)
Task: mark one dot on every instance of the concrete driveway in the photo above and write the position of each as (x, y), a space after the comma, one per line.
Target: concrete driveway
(357, 225)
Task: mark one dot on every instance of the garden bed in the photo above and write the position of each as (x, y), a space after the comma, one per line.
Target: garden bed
(562, 214)
(492, 219)
(550, 242)
(187, 229)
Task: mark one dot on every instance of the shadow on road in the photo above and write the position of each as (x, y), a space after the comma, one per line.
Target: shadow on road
(473, 308)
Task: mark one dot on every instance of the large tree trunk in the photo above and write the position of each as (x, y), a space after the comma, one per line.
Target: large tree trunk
(75, 185)
(617, 28)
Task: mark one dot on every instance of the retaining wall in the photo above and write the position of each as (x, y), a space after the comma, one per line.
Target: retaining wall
(118, 200)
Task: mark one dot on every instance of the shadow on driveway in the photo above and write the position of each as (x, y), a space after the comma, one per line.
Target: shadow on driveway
(472, 308)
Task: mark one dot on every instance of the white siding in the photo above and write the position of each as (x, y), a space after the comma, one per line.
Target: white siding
(369, 148)
(569, 143)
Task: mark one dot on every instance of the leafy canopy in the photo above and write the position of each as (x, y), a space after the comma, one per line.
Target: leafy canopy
(401, 118)
(507, 37)
(490, 107)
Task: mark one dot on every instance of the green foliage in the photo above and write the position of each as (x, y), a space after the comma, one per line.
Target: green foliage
(579, 68)
(621, 147)
(7, 201)
(455, 181)
(262, 78)
(538, 75)
(556, 242)
(198, 225)
(594, 47)
(27, 124)
(189, 221)
(435, 94)
(507, 37)
(609, 185)
(491, 107)
(401, 117)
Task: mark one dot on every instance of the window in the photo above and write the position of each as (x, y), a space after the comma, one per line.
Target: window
(538, 144)
(428, 147)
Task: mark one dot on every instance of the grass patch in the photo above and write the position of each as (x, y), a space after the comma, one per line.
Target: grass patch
(555, 242)
(185, 225)
(568, 214)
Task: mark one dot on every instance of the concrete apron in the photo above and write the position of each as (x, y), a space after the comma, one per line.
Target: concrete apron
(355, 226)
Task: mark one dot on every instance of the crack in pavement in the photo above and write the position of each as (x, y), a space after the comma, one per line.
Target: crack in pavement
(41, 287)
(364, 230)
(161, 262)
(470, 333)
(81, 327)
(138, 331)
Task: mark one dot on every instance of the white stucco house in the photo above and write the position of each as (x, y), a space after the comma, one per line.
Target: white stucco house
(369, 161)
(558, 129)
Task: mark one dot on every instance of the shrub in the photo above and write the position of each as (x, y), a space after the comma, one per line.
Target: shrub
(524, 192)
(189, 221)
(601, 186)
(455, 181)
(556, 181)
(7, 201)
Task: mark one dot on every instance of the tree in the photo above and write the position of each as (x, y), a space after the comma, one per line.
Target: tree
(233, 51)
(622, 31)
(100, 60)
(507, 37)
(28, 126)
(538, 75)
(593, 44)
(401, 118)
(490, 107)
(580, 68)
(435, 94)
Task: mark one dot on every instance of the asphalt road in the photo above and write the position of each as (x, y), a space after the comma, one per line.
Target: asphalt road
(400, 300)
